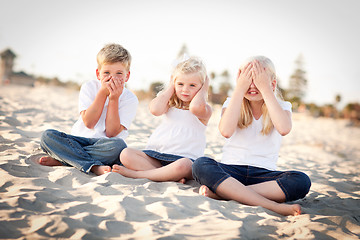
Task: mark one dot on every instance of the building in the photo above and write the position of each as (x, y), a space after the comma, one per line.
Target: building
(8, 76)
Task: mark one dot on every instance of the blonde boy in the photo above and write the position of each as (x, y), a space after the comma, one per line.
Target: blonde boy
(106, 110)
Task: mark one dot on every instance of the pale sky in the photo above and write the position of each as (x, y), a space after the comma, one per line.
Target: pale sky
(61, 38)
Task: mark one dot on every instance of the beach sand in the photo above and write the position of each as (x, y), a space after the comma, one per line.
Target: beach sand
(39, 202)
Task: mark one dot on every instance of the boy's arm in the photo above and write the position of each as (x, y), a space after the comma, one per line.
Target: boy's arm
(160, 104)
(92, 114)
(198, 105)
(112, 122)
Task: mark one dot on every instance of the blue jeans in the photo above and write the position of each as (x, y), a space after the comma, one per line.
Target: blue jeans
(211, 173)
(79, 152)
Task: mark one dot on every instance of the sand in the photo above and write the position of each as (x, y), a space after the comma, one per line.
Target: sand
(40, 202)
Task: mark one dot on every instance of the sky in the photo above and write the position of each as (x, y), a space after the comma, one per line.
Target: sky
(61, 38)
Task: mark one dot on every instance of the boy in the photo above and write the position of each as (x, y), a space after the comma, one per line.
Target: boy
(106, 109)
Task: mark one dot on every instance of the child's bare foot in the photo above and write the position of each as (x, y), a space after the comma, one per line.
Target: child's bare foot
(288, 209)
(205, 191)
(49, 161)
(183, 181)
(100, 170)
(124, 171)
(296, 209)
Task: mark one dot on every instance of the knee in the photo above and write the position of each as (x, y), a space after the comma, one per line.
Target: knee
(303, 184)
(47, 136)
(121, 143)
(118, 143)
(114, 146)
(125, 156)
(307, 184)
(49, 133)
(184, 166)
(199, 167)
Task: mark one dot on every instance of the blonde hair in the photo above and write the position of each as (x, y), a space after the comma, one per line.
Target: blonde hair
(112, 53)
(191, 65)
(246, 115)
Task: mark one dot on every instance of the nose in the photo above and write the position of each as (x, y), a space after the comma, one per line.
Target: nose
(113, 76)
(252, 85)
(185, 88)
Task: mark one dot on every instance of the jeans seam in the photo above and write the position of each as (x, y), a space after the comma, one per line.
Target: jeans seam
(235, 173)
(219, 182)
(283, 189)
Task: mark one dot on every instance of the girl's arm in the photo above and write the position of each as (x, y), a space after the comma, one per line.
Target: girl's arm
(230, 117)
(280, 117)
(160, 104)
(198, 105)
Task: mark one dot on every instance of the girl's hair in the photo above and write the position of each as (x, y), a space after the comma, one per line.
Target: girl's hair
(246, 115)
(190, 65)
(113, 53)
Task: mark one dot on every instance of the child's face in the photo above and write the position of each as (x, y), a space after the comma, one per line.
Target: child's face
(187, 85)
(253, 94)
(113, 70)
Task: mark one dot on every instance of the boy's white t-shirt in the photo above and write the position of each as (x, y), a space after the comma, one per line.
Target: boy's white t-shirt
(180, 133)
(249, 147)
(128, 103)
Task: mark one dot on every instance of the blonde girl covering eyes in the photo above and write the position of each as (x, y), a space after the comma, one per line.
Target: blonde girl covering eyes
(246, 115)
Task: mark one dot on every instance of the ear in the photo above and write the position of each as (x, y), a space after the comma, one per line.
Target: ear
(127, 76)
(98, 74)
(273, 84)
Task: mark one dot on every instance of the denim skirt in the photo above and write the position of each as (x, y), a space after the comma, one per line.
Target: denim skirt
(164, 158)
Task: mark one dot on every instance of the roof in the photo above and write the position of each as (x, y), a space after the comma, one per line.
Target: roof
(7, 54)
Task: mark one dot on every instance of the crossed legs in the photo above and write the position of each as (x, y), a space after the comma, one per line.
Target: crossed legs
(139, 165)
(267, 194)
(253, 195)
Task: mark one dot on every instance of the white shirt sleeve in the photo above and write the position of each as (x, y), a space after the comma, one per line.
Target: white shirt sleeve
(127, 108)
(87, 95)
(226, 103)
(285, 105)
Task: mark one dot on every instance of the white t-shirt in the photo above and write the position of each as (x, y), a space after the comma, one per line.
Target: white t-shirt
(180, 133)
(249, 147)
(128, 103)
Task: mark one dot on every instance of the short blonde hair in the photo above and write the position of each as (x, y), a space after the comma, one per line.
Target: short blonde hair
(191, 65)
(112, 53)
(246, 115)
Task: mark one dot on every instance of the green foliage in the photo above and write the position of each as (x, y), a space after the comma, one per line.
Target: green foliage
(155, 88)
(297, 83)
(56, 82)
(224, 88)
(219, 96)
(338, 98)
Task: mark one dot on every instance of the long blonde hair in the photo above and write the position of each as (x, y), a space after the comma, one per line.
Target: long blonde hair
(246, 115)
(190, 65)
